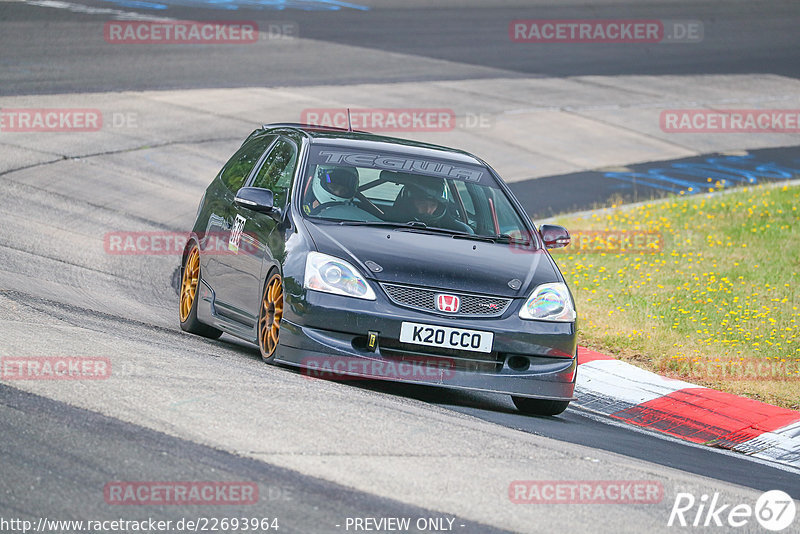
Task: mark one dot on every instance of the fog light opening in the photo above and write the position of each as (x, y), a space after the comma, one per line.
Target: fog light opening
(519, 363)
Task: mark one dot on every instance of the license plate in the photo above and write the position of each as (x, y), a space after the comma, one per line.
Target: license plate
(446, 337)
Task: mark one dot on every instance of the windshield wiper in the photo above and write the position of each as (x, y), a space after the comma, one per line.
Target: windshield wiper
(496, 238)
(410, 225)
(474, 237)
(505, 238)
(385, 224)
(457, 234)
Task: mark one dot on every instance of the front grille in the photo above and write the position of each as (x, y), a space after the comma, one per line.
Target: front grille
(425, 300)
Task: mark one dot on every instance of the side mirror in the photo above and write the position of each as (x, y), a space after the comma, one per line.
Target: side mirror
(554, 236)
(256, 199)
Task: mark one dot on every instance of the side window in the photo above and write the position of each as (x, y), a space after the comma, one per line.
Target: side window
(239, 166)
(277, 170)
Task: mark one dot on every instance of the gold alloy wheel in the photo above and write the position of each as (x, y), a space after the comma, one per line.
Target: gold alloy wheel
(191, 275)
(269, 320)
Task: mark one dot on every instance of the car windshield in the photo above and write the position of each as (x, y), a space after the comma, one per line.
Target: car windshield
(353, 186)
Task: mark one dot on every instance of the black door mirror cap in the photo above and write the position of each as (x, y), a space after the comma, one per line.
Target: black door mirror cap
(554, 236)
(256, 199)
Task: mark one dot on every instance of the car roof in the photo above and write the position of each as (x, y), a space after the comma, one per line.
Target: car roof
(331, 136)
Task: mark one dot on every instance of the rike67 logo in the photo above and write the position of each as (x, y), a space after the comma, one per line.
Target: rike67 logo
(774, 510)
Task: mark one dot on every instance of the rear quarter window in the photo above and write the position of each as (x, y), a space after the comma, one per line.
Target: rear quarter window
(238, 168)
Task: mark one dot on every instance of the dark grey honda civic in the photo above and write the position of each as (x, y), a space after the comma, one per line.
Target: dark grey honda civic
(352, 255)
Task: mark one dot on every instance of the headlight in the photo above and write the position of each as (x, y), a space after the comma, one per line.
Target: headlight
(549, 302)
(332, 275)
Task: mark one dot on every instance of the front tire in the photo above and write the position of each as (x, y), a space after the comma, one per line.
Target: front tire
(187, 310)
(539, 406)
(269, 317)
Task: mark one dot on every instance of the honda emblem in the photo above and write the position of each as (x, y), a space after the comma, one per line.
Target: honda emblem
(447, 303)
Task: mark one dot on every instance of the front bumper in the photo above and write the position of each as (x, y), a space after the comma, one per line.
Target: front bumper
(324, 332)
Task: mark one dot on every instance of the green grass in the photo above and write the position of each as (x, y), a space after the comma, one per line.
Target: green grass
(716, 305)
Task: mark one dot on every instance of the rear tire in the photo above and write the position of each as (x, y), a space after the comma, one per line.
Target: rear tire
(269, 317)
(539, 406)
(187, 298)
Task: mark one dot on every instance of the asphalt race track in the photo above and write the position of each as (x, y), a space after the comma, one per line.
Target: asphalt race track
(471, 36)
(178, 407)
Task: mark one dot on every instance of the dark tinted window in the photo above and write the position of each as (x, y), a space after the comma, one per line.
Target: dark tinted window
(239, 166)
(277, 170)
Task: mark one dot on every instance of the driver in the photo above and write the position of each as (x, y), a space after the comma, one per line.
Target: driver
(335, 185)
(426, 207)
(429, 206)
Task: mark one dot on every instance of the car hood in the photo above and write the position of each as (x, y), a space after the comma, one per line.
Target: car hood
(435, 260)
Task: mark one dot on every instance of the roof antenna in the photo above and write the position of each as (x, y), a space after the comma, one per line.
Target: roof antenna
(349, 124)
